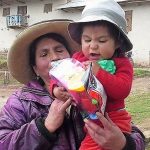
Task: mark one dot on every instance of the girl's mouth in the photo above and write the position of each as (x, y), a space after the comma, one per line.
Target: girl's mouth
(94, 56)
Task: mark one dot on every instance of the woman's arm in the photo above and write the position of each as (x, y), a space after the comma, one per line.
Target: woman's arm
(49, 127)
(15, 131)
(111, 137)
(138, 138)
(19, 131)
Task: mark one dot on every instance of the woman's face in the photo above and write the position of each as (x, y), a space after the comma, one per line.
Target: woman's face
(97, 43)
(48, 50)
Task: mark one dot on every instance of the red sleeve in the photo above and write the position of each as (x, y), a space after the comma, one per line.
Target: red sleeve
(53, 83)
(118, 85)
(79, 56)
(76, 55)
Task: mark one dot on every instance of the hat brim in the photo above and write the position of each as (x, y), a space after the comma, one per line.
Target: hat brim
(18, 55)
(73, 29)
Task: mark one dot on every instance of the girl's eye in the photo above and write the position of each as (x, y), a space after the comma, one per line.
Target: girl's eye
(87, 40)
(102, 40)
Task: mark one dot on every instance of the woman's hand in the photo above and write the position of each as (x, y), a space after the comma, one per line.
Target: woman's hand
(110, 137)
(56, 114)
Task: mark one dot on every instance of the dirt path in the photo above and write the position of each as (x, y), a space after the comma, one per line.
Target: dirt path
(139, 84)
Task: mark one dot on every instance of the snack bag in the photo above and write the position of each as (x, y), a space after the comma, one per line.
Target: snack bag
(87, 92)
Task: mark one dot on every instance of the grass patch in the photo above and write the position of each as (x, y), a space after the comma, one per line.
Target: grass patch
(140, 72)
(7, 79)
(138, 104)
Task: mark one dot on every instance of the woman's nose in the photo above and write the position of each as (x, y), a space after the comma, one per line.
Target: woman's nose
(54, 57)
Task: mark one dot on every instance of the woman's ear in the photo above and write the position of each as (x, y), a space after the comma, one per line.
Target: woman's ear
(35, 70)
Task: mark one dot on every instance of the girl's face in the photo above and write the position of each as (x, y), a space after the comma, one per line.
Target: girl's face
(48, 50)
(97, 43)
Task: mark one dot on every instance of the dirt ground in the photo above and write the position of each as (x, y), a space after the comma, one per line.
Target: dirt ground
(139, 84)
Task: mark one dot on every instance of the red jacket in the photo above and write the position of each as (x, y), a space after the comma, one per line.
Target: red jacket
(118, 85)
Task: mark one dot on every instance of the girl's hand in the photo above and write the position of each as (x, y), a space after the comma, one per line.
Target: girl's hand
(56, 114)
(95, 67)
(110, 137)
(61, 93)
(86, 64)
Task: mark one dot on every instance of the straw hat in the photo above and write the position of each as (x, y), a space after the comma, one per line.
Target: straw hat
(18, 55)
(107, 10)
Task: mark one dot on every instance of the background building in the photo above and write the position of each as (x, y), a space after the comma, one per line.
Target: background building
(15, 15)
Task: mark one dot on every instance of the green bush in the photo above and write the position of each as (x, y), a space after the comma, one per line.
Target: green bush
(3, 66)
(3, 62)
(140, 72)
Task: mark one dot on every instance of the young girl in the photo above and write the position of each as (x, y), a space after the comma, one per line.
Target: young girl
(102, 35)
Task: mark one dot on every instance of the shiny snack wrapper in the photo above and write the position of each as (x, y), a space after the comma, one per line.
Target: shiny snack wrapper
(87, 92)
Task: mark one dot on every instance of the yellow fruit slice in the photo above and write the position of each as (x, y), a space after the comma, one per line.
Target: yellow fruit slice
(75, 83)
(78, 87)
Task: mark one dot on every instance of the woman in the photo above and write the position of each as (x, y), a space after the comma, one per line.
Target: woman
(31, 119)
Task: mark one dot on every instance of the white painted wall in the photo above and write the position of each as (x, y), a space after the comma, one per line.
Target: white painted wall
(139, 35)
(35, 10)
